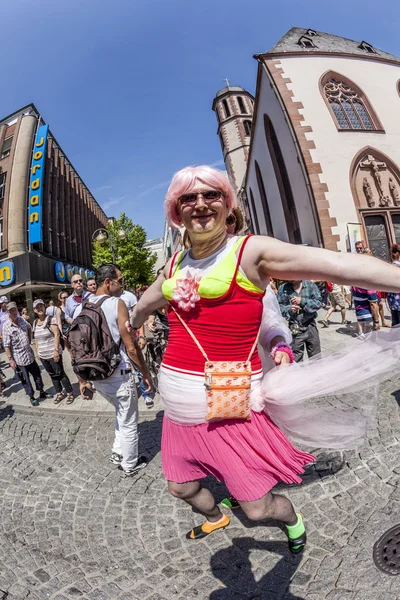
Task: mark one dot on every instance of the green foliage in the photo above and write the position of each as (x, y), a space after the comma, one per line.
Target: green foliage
(137, 263)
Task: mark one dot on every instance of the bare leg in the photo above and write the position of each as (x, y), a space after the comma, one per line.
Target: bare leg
(271, 506)
(343, 311)
(330, 311)
(198, 497)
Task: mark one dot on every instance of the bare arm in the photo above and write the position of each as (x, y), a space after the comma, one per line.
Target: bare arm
(266, 257)
(132, 348)
(151, 300)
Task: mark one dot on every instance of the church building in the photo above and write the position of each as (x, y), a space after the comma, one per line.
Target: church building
(322, 165)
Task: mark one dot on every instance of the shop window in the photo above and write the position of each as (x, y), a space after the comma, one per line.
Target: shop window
(247, 127)
(6, 147)
(349, 105)
(242, 107)
(226, 108)
(2, 185)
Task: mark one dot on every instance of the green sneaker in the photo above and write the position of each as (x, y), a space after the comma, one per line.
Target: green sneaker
(230, 502)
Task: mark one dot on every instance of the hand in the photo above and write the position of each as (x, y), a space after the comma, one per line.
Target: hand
(152, 326)
(281, 359)
(56, 355)
(13, 364)
(83, 386)
(296, 309)
(142, 343)
(295, 300)
(148, 381)
(128, 326)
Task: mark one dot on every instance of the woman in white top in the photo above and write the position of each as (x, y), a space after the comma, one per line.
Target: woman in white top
(47, 342)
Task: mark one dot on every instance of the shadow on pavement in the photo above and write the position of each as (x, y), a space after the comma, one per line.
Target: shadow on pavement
(150, 436)
(232, 566)
(6, 412)
(396, 396)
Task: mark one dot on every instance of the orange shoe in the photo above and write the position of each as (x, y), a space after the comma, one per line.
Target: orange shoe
(207, 527)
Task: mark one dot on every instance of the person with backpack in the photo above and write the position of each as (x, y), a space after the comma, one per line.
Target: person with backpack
(48, 348)
(103, 351)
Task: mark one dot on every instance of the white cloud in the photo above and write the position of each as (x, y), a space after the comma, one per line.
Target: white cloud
(153, 188)
(102, 187)
(217, 163)
(112, 202)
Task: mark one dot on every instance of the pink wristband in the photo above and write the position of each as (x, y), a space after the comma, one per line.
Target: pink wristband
(282, 347)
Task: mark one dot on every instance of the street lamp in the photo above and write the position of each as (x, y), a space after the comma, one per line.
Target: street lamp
(102, 235)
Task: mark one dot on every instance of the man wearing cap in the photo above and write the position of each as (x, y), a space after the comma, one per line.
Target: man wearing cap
(17, 338)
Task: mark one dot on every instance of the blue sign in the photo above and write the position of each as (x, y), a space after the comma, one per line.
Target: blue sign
(7, 273)
(60, 271)
(36, 185)
(64, 273)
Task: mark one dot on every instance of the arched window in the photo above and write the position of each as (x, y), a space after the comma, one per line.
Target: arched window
(247, 127)
(264, 201)
(349, 105)
(226, 108)
(282, 178)
(254, 213)
(242, 107)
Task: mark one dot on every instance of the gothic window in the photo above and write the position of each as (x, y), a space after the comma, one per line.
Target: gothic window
(242, 107)
(283, 181)
(226, 108)
(264, 201)
(349, 105)
(247, 127)
(306, 42)
(311, 32)
(254, 213)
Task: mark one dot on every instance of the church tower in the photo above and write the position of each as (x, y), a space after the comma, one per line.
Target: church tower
(234, 109)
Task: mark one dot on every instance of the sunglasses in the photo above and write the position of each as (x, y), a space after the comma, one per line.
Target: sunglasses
(77, 281)
(208, 196)
(119, 281)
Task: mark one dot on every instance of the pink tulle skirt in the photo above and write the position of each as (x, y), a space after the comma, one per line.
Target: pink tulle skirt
(251, 457)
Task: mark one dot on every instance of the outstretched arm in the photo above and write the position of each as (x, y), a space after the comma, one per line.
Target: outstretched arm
(151, 300)
(266, 257)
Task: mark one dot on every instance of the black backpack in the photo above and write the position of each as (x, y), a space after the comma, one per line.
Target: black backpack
(94, 353)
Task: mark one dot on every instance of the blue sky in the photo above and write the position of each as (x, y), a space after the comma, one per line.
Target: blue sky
(127, 85)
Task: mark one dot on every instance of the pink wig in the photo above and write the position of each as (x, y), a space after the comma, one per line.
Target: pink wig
(185, 180)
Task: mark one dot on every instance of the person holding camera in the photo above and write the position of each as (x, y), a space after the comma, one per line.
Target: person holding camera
(299, 302)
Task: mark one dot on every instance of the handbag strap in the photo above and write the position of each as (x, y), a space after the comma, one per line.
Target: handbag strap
(200, 347)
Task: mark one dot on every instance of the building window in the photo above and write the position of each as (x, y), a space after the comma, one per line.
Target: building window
(306, 42)
(2, 185)
(311, 32)
(247, 127)
(7, 147)
(282, 179)
(350, 107)
(254, 213)
(226, 108)
(264, 201)
(242, 107)
(378, 239)
(367, 47)
(1, 233)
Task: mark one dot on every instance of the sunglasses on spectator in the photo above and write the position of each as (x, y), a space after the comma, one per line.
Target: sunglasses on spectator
(208, 196)
(77, 281)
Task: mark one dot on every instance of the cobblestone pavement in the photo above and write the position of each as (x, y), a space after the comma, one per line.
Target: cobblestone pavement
(71, 527)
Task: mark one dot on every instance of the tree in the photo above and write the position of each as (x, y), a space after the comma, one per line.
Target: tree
(136, 262)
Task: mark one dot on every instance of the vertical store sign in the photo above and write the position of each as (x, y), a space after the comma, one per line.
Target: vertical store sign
(36, 185)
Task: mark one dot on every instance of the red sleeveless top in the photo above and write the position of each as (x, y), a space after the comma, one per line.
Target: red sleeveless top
(226, 327)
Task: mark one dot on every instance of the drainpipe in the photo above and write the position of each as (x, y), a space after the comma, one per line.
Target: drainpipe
(298, 151)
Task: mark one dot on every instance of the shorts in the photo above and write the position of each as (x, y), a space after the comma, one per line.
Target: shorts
(337, 299)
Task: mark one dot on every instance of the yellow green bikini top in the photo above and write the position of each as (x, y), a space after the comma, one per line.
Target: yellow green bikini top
(217, 279)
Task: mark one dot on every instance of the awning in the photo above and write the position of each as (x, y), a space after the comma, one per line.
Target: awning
(37, 285)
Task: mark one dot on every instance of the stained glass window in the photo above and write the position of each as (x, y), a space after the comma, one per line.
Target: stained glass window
(347, 106)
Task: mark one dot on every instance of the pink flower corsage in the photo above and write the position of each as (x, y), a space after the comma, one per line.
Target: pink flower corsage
(282, 347)
(185, 293)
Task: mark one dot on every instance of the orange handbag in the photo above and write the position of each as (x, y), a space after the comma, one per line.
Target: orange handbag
(227, 384)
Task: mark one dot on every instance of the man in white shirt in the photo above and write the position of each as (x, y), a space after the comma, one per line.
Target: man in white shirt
(120, 388)
(130, 300)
